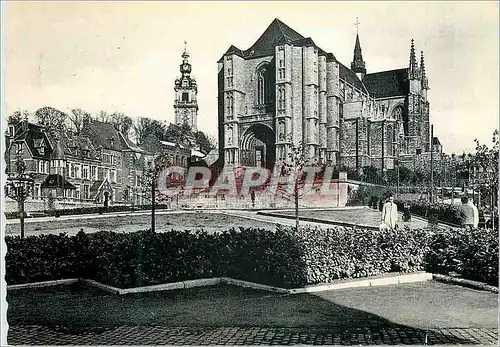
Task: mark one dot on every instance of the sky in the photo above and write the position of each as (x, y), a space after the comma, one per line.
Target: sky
(125, 56)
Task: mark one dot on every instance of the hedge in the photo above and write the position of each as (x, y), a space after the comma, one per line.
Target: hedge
(90, 210)
(283, 257)
(445, 213)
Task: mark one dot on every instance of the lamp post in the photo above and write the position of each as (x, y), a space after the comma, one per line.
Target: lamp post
(19, 187)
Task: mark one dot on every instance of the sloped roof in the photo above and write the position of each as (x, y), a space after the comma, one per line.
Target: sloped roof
(388, 83)
(349, 76)
(104, 135)
(276, 32)
(435, 141)
(127, 143)
(32, 133)
(56, 181)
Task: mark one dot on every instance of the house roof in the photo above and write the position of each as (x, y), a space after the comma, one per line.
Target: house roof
(104, 135)
(387, 83)
(435, 141)
(56, 181)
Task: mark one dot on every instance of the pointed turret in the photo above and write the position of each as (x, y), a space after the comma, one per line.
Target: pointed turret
(425, 82)
(413, 68)
(358, 65)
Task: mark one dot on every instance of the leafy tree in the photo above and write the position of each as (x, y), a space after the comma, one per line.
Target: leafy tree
(484, 165)
(17, 116)
(205, 142)
(51, 116)
(144, 126)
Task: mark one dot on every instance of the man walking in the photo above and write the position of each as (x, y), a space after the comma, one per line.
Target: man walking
(467, 214)
(475, 221)
(390, 213)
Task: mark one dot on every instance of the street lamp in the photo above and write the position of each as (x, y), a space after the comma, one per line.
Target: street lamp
(19, 187)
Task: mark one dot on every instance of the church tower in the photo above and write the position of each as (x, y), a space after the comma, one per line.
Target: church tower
(186, 90)
(358, 64)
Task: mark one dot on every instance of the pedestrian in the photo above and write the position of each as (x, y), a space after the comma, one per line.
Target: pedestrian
(475, 221)
(390, 213)
(467, 213)
(252, 196)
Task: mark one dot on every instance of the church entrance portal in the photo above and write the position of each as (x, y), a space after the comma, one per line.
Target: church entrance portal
(258, 146)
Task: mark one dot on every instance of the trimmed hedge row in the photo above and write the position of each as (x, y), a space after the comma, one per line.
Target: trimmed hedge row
(90, 210)
(282, 257)
(446, 213)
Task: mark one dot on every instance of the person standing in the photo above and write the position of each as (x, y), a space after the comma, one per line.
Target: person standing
(467, 213)
(475, 221)
(390, 213)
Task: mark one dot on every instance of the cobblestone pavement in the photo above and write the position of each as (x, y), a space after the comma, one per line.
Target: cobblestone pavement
(156, 335)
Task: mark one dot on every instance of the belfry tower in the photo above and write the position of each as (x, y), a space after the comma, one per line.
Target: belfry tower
(186, 90)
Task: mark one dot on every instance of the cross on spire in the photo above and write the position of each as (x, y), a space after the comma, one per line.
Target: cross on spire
(357, 24)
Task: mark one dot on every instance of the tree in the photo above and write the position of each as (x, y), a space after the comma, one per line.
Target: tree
(78, 118)
(19, 187)
(484, 165)
(121, 122)
(51, 117)
(144, 126)
(17, 116)
(295, 170)
(151, 172)
(205, 142)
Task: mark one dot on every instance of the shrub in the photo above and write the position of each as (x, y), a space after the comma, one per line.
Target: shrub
(472, 254)
(444, 213)
(283, 257)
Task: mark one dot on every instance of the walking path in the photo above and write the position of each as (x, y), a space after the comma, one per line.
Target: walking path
(157, 335)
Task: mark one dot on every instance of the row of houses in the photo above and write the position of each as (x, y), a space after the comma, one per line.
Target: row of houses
(97, 166)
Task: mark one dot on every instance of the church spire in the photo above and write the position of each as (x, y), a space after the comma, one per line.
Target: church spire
(413, 68)
(185, 66)
(425, 83)
(358, 65)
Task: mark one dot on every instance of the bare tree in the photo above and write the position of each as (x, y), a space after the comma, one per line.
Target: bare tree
(144, 126)
(121, 122)
(297, 171)
(78, 118)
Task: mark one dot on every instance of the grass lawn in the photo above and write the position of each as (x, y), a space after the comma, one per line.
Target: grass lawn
(420, 305)
(164, 222)
(364, 216)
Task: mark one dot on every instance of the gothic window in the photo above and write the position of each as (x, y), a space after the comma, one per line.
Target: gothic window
(281, 70)
(263, 85)
(230, 106)
(281, 98)
(185, 97)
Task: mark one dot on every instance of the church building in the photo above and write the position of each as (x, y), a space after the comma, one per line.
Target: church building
(284, 92)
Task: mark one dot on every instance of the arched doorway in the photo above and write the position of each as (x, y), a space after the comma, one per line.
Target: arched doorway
(257, 146)
(106, 199)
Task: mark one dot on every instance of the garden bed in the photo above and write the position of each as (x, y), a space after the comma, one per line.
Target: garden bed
(282, 258)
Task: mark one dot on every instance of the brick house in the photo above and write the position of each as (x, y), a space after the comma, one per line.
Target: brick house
(97, 167)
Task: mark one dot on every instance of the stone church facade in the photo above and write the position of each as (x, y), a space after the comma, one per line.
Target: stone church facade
(285, 91)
